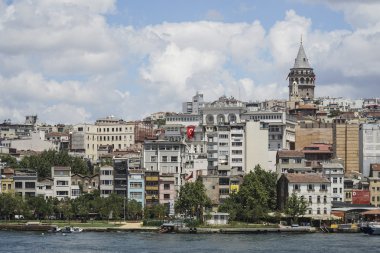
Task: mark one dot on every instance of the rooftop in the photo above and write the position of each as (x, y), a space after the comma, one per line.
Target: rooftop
(306, 178)
(289, 153)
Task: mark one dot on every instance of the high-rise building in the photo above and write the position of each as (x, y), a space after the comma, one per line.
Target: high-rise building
(346, 144)
(369, 141)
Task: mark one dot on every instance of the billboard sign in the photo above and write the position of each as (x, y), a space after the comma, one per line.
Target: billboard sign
(361, 197)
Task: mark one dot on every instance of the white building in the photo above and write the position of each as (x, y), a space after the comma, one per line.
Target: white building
(34, 141)
(335, 173)
(45, 188)
(61, 182)
(166, 157)
(106, 184)
(256, 146)
(276, 122)
(314, 188)
(341, 104)
(195, 106)
(369, 146)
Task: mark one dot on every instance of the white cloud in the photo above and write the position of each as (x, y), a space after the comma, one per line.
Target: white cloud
(63, 61)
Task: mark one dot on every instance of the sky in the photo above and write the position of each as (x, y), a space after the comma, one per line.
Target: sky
(74, 61)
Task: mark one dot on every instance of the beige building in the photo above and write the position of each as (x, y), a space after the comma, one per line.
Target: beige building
(374, 184)
(107, 132)
(346, 144)
(309, 133)
(256, 146)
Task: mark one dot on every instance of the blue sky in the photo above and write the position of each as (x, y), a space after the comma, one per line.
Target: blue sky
(145, 12)
(73, 61)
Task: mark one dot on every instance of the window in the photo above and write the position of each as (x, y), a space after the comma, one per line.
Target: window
(310, 199)
(318, 199)
(18, 185)
(166, 186)
(166, 196)
(296, 187)
(174, 159)
(237, 152)
(323, 187)
(106, 182)
(325, 210)
(324, 199)
(135, 185)
(62, 183)
(62, 193)
(318, 211)
(153, 158)
(136, 195)
(335, 180)
(335, 190)
(224, 191)
(164, 158)
(310, 187)
(30, 185)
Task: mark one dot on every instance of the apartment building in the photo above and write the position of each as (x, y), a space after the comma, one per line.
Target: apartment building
(25, 182)
(369, 147)
(61, 182)
(106, 181)
(334, 172)
(312, 187)
(166, 157)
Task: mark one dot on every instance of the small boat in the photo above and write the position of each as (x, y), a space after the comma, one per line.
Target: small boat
(54, 229)
(71, 230)
(371, 228)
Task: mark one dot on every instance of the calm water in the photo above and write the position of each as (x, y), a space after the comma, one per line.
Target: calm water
(152, 242)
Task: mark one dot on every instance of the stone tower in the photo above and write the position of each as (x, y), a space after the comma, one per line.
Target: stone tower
(301, 78)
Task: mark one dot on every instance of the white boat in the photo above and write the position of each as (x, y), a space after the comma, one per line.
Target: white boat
(71, 230)
(371, 228)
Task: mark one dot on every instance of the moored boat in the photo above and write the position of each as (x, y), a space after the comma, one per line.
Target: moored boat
(371, 228)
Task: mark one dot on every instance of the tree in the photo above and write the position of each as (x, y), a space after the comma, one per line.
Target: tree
(134, 210)
(192, 199)
(296, 206)
(8, 205)
(158, 211)
(9, 160)
(39, 207)
(256, 197)
(43, 162)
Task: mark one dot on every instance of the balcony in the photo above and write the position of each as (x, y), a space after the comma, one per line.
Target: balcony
(151, 188)
(151, 178)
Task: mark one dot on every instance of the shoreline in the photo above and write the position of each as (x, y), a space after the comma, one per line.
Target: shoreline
(186, 230)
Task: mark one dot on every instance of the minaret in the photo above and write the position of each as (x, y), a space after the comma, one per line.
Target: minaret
(301, 78)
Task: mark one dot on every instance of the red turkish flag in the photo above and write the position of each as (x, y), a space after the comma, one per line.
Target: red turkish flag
(190, 132)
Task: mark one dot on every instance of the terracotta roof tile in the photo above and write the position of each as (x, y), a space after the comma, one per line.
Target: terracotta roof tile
(290, 153)
(306, 178)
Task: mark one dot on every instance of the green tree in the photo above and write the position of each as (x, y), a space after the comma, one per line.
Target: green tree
(9, 160)
(43, 162)
(38, 207)
(192, 200)
(256, 197)
(8, 205)
(295, 207)
(158, 211)
(134, 209)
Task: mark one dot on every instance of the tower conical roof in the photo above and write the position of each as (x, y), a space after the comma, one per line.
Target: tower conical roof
(301, 60)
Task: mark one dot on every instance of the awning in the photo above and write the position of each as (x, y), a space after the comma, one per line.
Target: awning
(372, 212)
